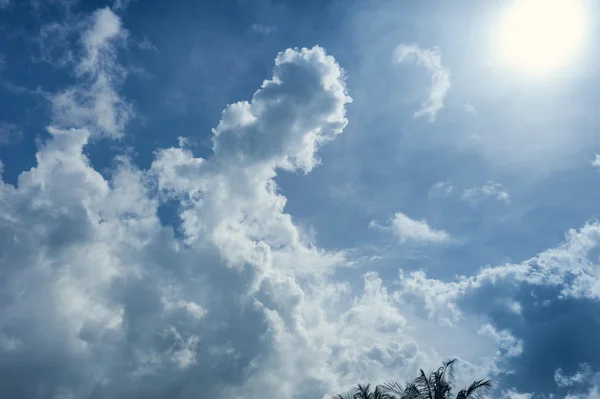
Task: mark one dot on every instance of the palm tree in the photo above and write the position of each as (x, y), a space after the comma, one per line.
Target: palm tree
(364, 392)
(437, 385)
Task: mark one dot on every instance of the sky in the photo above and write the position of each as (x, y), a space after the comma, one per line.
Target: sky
(281, 198)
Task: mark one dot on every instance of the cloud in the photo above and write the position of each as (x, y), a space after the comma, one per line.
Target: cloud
(146, 44)
(10, 133)
(583, 375)
(489, 190)
(408, 230)
(243, 303)
(93, 102)
(430, 59)
(470, 109)
(584, 383)
(263, 29)
(441, 189)
(555, 290)
(508, 345)
(596, 161)
(92, 279)
(120, 5)
(317, 109)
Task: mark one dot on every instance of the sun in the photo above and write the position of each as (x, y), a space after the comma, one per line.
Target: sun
(541, 36)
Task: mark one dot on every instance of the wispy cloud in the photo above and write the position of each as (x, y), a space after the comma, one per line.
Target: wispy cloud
(441, 189)
(263, 29)
(430, 59)
(10, 133)
(489, 190)
(94, 102)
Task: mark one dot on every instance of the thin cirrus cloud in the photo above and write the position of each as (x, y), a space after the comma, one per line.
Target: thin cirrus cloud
(430, 59)
(10, 133)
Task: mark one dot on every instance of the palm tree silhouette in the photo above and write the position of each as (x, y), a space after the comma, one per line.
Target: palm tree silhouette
(437, 385)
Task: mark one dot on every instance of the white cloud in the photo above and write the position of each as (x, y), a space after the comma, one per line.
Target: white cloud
(263, 29)
(408, 230)
(513, 394)
(146, 44)
(596, 161)
(470, 109)
(96, 283)
(244, 304)
(441, 189)
(584, 384)
(94, 103)
(430, 59)
(508, 345)
(120, 5)
(583, 375)
(489, 190)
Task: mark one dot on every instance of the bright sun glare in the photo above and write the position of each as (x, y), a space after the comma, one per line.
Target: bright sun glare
(540, 36)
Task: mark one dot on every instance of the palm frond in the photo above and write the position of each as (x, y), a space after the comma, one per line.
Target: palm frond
(344, 396)
(448, 373)
(393, 388)
(379, 393)
(477, 390)
(411, 391)
(362, 391)
(424, 385)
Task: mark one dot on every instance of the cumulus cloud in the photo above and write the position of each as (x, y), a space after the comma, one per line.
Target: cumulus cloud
(583, 375)
(93, 102)
(489, 190)
(242, 303)
(584, 383)
(508, 345)
(408, 230)
(556, 289)
(431, 59)
(93, 281)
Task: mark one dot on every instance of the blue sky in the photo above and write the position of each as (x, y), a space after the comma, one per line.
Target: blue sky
(284, 198)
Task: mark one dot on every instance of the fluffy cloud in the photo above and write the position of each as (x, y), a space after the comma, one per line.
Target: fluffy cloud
(94, 103)
(92, 280)
(430, 59)
(533, 302)
(242, 303)
(408, 230)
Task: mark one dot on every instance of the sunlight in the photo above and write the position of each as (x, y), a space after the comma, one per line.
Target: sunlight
(541, 36)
